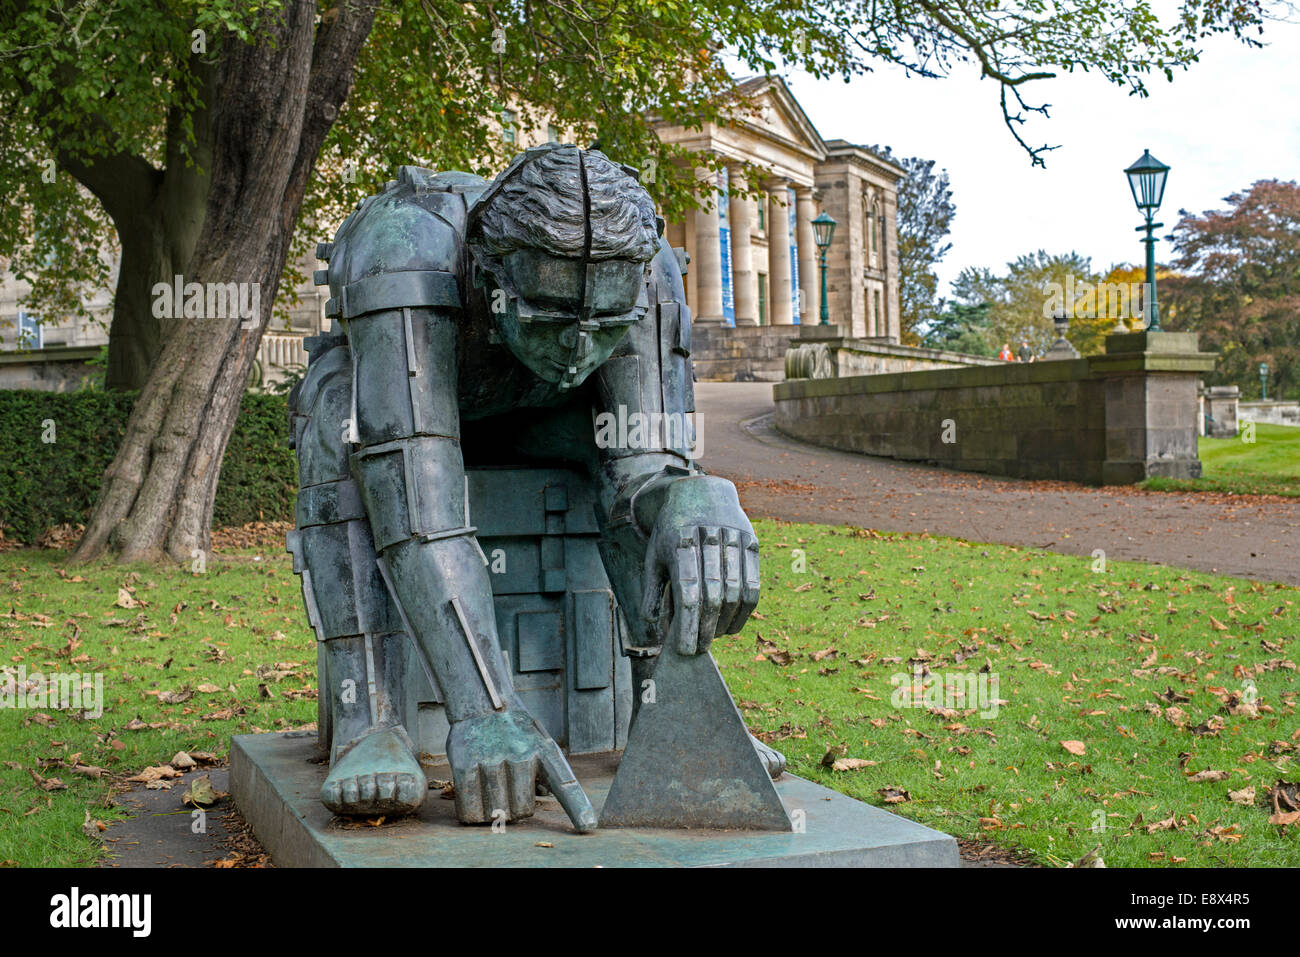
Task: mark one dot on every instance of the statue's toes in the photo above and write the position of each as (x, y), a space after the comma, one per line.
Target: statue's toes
(378, 776)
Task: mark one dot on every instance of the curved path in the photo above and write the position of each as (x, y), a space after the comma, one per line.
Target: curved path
(781, 478)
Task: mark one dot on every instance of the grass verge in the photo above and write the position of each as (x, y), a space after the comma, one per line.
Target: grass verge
(1268, 465)
(1152, 674)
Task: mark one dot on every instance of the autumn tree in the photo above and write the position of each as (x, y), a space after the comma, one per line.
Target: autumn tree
(1240, 286)
(1022, 301)
(201, 128)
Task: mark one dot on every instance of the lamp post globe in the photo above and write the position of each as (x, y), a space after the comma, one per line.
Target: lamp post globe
(823, 232)
(1146, 180)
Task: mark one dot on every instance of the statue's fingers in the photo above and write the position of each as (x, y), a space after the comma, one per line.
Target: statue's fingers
(685, 583)
(733, 573)
(749, 589)
(468, 789)
(710, 584)
(521, 783)
(559, 777)
(496, 796)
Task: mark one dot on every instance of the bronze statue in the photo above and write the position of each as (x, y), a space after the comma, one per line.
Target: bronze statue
(498, 322)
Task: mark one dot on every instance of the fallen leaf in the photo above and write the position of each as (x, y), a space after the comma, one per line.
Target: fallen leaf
(852, 764)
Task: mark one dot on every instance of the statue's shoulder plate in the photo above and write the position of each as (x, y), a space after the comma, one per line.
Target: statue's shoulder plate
(401, 247)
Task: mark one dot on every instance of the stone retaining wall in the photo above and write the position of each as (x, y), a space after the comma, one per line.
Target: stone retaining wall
(1273, 412)
(1112, 418)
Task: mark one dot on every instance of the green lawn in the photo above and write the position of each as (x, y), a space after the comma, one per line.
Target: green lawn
(1268, 466)
(1079, 656)
(209, 635)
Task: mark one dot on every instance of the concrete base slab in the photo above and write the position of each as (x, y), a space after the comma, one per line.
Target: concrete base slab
(275, 780)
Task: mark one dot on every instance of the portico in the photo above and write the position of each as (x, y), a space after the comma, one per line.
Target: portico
(753, 259)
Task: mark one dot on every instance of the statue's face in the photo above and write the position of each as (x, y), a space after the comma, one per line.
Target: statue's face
(563, 317)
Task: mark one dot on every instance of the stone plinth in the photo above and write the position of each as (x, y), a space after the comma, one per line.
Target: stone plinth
(276, 784)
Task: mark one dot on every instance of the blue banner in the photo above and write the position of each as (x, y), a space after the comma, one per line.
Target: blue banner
(724, 244)
(795, 310)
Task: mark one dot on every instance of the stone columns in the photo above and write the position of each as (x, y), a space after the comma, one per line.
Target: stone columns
(743, 275)
(707, 264)
(778, 253)
(809, 273)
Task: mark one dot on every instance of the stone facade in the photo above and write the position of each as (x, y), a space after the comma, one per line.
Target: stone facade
(1115, 418)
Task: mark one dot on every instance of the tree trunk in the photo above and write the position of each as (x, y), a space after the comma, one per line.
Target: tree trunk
(154, 249)
(274, 103)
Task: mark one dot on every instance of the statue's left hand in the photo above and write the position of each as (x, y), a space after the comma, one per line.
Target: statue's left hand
(701, 573)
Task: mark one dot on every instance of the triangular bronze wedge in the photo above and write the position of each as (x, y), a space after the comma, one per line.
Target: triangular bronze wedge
(689, 760)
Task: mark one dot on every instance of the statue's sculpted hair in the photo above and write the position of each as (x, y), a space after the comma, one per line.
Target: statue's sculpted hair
(538, 203)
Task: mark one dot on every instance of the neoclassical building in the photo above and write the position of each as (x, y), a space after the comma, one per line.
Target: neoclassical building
(753, 261)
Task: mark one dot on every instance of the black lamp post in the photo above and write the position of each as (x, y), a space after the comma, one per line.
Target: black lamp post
(823, 231)
(1146, 178)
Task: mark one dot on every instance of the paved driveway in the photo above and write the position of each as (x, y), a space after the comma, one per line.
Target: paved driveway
(781, 478)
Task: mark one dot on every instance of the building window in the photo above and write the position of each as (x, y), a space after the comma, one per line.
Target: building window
(552, 133)
(882, 327)
(29, 331)
(508, 120)
(762, 296)
(762, 214)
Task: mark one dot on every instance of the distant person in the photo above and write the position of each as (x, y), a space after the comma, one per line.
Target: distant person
(1026, 353)
(1005, 355)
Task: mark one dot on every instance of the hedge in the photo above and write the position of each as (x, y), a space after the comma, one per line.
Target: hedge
(45, 483)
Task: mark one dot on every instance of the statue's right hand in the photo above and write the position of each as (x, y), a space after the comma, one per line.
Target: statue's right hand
(496, 759)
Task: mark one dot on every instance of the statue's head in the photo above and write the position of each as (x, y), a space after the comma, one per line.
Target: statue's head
(561, 244)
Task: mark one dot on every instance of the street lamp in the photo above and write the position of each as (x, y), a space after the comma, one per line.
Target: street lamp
(823, 230)
(1146, 178)
(1263, 379)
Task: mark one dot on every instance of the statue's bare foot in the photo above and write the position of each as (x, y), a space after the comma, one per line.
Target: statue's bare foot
(379, 774)
(772, 759)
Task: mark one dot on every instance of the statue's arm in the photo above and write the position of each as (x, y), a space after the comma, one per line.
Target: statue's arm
(677, 543)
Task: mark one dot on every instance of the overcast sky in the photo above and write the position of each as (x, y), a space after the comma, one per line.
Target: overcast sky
(1231, 119)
